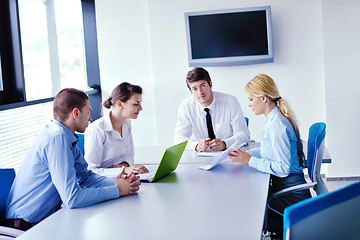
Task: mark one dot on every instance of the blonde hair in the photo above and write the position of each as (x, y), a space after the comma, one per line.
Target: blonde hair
(264, 86)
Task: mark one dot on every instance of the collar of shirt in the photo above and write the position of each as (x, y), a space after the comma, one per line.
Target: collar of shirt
(271, 116)
(212, 105)
(73, 137)
(109, 128)
(107, 123)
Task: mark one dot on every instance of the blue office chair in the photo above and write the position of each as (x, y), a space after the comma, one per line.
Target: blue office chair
(7, 177)
(333, 215)
(316, 145)
(81, 142)
(315, 152)
(247, 121)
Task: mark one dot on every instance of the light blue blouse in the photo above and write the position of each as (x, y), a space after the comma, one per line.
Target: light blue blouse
(277, 154)
(53, 170)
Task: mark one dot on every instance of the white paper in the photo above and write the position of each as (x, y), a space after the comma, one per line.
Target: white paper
(222, 156)
(208, 154)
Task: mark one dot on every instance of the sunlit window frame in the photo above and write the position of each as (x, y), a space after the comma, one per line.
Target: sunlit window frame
(14, 83)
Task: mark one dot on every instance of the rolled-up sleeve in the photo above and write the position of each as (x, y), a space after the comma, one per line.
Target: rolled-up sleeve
(275, 154)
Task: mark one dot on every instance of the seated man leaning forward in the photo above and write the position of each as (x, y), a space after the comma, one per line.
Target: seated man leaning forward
(55, 172)
(209, 119)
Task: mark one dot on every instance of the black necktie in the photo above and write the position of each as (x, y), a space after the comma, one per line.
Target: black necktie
(209, 124)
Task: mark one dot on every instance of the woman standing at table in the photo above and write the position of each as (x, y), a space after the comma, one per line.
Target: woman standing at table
(109, 147)
(281, 153)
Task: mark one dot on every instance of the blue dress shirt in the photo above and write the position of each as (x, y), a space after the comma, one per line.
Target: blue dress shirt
(277, 154)
(55, 171)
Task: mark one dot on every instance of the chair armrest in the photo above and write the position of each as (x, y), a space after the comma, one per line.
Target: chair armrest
(288, 190)
(11, 232)
(3, 237)
(294, 188)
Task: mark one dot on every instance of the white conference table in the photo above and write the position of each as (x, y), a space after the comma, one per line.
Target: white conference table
(226, 202)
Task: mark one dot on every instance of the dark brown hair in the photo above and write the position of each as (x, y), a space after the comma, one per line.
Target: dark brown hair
(197, 74)
(66, 100)
(122, 92)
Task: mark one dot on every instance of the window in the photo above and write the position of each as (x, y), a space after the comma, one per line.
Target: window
(12, 86)
(45, 45)
(18, 130)
(52, 46)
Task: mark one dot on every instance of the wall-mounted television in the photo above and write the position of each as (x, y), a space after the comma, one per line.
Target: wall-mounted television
(229, 37)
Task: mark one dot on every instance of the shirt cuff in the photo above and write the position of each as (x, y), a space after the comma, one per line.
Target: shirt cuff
(112, 192)
(252, 162)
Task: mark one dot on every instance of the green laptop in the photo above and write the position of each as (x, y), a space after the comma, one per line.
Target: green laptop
(168, 163)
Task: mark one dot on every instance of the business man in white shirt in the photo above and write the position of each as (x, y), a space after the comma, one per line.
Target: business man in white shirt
(209, 120)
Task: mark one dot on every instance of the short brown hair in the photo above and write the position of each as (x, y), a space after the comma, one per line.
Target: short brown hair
(197, 74)
(66, 100)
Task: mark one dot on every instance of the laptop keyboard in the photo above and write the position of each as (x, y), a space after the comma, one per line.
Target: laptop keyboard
(151, 173)
(152, 168)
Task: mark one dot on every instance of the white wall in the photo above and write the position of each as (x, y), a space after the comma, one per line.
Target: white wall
(144, 42)
(342, 61)
(124, 56)
(295, 38)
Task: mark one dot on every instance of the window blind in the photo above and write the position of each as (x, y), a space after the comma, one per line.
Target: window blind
(19, 128)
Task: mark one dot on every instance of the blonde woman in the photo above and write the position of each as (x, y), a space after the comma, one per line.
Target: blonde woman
(280, 153)
(109, 147)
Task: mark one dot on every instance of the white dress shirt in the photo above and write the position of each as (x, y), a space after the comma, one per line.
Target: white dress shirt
(277, 154)
(226, 115)
(105, 147)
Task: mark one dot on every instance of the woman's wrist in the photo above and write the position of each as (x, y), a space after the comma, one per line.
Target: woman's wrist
(248, 161)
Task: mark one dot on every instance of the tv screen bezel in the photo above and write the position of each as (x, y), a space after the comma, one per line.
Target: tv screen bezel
(231, 61)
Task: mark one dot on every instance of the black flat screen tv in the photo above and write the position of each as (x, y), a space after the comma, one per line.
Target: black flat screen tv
(229, 37)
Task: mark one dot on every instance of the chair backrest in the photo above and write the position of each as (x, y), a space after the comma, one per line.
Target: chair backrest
(315, 149)
(7, 176)
(81, 142)
(247, 121)
(334, 215)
